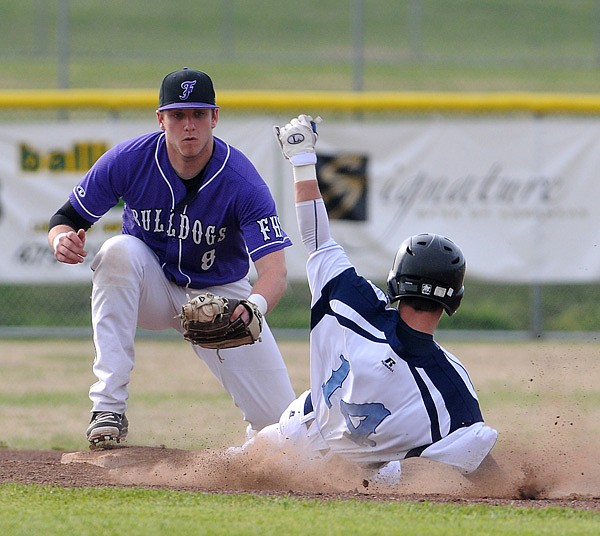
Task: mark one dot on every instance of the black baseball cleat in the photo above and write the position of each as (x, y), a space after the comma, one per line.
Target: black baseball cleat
(107, 430)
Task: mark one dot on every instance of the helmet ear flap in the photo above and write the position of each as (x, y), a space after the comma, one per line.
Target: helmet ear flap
(393, 281)
(454, 302)
(393, 292)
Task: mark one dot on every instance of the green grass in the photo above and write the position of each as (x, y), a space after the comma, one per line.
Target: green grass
(43, 404)
(49, 510)
(538, 45)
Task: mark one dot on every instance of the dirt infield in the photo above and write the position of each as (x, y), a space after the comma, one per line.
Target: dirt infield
(543, 398)
(214, 472)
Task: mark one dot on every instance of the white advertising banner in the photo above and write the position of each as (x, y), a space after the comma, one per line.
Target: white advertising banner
(518, 194)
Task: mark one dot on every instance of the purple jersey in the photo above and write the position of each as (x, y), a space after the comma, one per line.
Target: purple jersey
(202, 239)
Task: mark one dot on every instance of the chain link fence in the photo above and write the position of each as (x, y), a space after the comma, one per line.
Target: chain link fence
(309, 44)
(432, 45)
(28, 311)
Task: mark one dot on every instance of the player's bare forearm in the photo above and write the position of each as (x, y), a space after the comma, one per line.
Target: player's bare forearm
(68, 245)
(271, 282)
(307, 190)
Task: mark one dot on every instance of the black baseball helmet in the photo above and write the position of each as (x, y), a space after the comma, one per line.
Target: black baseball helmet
(428, 266)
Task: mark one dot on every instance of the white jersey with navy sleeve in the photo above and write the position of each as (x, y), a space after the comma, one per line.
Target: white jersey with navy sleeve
(379, 390)
(201, 239)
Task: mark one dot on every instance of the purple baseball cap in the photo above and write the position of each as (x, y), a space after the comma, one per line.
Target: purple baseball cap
(186, 89)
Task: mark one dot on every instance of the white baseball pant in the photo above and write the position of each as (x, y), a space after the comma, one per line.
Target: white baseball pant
(130, 290)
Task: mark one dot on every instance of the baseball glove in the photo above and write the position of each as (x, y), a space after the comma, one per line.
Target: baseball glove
(206, 321)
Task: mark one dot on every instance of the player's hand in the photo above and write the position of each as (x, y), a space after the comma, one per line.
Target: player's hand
(69, 247)
(297, 140)
(241, 311)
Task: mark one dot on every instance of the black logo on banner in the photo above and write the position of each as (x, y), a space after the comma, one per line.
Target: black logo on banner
(343, 184)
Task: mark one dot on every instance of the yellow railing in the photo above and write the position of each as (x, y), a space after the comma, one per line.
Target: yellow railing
(124, 99)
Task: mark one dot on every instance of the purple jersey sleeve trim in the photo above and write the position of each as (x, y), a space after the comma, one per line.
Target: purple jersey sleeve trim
(285, 242)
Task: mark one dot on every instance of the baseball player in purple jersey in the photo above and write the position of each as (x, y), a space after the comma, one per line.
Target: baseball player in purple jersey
(196, 211)
(381, 389)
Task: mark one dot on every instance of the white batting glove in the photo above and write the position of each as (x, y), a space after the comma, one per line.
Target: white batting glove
(297, 140)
